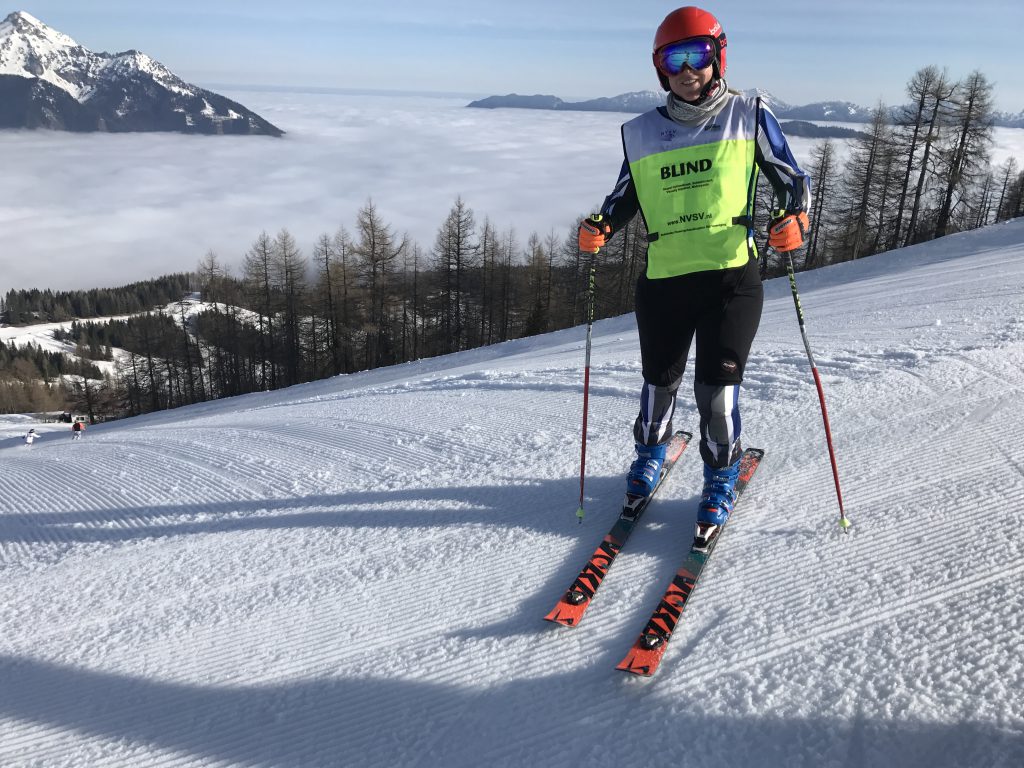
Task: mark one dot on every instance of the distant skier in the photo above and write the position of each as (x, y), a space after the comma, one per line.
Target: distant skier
(690, 168)
(76, 430)
(30, 437)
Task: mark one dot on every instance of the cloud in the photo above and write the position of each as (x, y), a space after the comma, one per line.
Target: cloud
(81, 211)
(99, 210)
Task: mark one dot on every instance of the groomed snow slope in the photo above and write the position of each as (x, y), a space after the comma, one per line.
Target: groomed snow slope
(354, 572)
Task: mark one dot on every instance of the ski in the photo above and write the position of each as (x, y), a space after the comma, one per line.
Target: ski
(574, 603)
(645, 655)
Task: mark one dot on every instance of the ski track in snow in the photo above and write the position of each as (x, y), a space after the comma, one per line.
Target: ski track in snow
(353, 572)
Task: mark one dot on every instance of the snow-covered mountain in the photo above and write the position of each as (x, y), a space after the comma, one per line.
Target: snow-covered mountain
(353, 572)
(1009, 119)
(637, 101)
(634, 101)
(837, 111)
(47, 80)
(641, 101)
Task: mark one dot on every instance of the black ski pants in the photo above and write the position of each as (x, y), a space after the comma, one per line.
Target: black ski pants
(721, 309)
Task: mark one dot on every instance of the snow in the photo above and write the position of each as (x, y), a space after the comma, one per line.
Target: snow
(16, 425)
(42, 334)
(30, 48)
(354, 572)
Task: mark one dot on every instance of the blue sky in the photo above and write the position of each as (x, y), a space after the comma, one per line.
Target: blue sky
(801, 51)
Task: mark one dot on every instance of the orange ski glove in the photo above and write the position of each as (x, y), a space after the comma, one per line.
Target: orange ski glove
(594, 233)
(787, 231)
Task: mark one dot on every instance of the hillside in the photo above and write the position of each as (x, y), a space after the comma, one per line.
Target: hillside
(354, 572)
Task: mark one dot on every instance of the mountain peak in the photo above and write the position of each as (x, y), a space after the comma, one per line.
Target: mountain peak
(23, 17)
(25, 24)
(49, 80)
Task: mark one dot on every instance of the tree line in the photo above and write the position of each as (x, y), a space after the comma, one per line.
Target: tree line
(369, 297)
(360, 300)
(27, 307)
(30, 378)
(924, 174)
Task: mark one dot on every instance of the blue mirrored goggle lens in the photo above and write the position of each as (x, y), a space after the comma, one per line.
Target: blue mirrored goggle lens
(695, 53)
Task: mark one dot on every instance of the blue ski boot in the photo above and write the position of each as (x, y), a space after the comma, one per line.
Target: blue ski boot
(645, 471)
(716, 502)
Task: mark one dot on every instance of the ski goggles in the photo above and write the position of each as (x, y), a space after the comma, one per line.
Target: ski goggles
(694, 52)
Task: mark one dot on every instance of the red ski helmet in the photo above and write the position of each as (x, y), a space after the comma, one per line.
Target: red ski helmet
(691, 21)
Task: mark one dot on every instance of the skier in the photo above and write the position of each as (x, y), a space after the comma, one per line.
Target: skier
(76, 430)
(30, 437)
(690, 168)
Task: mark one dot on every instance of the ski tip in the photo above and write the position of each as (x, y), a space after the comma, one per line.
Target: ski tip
(635, 665)
(558, 618)
(567, 614)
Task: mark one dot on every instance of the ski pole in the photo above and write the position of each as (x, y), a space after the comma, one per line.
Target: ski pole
(586, 371)
(844, 522)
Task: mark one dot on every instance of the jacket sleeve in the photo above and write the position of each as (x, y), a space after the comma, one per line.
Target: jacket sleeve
(622, 204)
(775, 159)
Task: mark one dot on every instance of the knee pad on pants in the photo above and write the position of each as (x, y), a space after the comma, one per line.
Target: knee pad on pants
(720, 425)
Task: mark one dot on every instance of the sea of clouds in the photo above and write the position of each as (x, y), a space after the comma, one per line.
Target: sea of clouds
(98, 210)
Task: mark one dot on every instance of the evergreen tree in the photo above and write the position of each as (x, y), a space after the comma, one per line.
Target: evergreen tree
(940, 97)
(823, 171)
(289, 276)
(258, 278)
(455, 251)
(866, 178)
(968, 152)
(377, 251)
